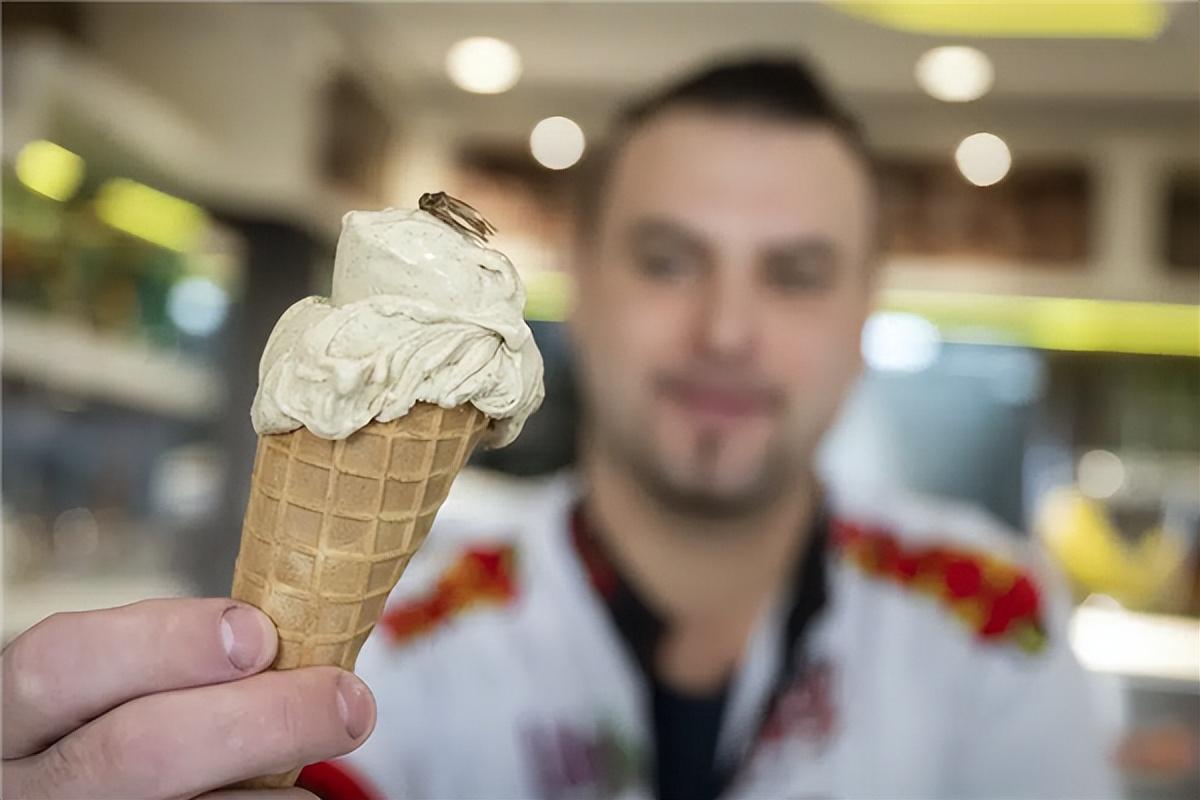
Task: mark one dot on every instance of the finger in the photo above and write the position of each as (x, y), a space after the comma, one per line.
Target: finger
(260, 794)
(182, 743)
(71, 668)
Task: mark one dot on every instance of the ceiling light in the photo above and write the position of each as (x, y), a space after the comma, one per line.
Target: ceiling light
(557, 142)
(149, 214)
(955, 74)
(49, 169)
(983, 158)
(898, 342)
(1092, 19)
(483, 65)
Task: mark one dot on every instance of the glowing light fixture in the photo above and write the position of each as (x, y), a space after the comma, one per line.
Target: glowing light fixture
(1126, 643)
(557, 142)
(900, 342)
(955, 74)
(1099, 19)
(983, 158)
(49, 169)
(149, 214)
(483, 65)
(1045, 323)
(197, 306)
(1101, 474)
(1058, 323)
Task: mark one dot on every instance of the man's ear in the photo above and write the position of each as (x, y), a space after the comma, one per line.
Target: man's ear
(874, 268)
(577, 254)
(571, 282)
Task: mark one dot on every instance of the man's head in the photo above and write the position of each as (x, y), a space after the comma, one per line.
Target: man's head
(724, 273)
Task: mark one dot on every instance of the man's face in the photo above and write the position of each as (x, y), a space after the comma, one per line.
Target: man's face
(719, 308)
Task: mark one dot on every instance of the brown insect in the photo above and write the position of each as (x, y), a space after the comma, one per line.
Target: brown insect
(457, 214)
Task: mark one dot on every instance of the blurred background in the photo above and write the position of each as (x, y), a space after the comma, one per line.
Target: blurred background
(174, 177)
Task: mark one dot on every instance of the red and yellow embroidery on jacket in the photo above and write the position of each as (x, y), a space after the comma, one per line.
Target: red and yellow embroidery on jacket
(992, 597)
(480, 577)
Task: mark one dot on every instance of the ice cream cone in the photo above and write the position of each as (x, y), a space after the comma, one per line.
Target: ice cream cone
(423, 327)
(331, 525)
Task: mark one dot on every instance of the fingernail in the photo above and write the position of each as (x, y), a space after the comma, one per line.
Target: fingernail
(355, 704)
(243, 637)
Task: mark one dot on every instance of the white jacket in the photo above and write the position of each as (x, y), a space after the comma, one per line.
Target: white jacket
(499, 674)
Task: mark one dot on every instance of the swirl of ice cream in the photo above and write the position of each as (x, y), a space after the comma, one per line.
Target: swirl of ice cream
(420, 312)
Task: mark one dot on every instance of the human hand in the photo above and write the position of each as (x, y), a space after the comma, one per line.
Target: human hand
(162, 699)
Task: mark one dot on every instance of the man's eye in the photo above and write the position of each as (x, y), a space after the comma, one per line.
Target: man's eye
(663, 266)
(794, 276)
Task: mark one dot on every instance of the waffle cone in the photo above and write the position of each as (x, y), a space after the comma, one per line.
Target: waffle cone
(331, 525)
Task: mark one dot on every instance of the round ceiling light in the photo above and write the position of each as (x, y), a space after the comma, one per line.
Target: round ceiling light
(483, 65)
(557, 142)
(955, 74)
(983, 158)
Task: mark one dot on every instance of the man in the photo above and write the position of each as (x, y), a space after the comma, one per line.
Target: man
(693, 615)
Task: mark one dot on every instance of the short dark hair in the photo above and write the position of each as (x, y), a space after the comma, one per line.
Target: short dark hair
(781, 88)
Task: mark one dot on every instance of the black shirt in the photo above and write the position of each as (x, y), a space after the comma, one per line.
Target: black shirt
(687, 727)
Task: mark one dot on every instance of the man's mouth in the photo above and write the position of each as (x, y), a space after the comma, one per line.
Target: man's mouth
(720, 400)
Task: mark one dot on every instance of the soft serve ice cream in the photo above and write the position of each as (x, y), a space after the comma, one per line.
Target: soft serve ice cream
(354, 455)
(421, 311)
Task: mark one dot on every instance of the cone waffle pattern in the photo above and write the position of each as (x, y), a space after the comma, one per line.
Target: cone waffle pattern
(331, 525)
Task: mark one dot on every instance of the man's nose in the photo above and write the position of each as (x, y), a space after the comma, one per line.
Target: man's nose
(726, 327)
